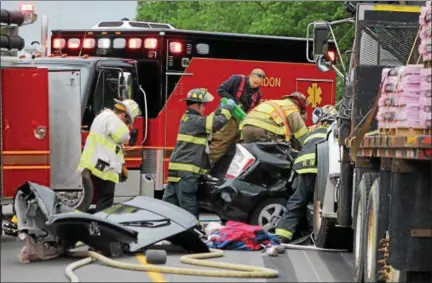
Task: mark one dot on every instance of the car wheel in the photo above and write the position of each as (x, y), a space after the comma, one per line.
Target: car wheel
(268, 213)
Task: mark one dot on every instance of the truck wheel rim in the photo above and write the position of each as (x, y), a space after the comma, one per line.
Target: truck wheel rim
(359, 221)
(370, 244)
(318, 216)
(270, 216)
(71, 199)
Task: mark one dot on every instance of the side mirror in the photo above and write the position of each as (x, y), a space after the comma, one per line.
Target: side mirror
(124, 85)
(133, 137)
(323, 64)
(320, 38)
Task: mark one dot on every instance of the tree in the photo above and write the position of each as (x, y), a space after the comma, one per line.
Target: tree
(264, 17)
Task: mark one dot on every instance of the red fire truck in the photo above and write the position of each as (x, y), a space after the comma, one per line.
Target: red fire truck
(172, 61)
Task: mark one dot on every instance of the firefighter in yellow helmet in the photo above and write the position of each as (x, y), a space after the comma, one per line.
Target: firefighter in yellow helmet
(103, 154)
(190, 158)
(277, 120)
(306, 170)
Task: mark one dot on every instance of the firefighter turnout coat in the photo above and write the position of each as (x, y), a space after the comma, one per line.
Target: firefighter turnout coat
(103, 152)
(305, 162)
(192, 147)
(275, 116)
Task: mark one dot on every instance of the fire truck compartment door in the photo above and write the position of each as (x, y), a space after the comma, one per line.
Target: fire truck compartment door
(65, 128)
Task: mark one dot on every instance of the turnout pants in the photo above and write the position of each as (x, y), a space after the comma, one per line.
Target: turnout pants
(222, 140)
(296, 205)
(105, 190)
(254, 134)
(184, 193)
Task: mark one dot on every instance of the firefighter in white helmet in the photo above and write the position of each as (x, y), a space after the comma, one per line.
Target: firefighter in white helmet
(103, 155)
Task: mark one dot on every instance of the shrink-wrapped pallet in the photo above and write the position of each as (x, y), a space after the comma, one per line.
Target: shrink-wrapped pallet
(401, 107)
(425, 47)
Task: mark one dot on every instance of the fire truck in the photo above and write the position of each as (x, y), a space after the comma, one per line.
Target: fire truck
(172, 61)
(373, 188)
(43, 138)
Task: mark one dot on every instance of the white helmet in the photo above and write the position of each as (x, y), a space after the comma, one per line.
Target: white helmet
(325, 113)
(130, 107)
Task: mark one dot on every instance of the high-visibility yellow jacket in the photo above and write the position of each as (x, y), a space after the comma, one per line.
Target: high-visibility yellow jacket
(190, 154)
(274, 116)
(306, 160)
(103, 153)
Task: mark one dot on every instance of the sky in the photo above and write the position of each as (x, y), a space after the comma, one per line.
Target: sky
(71, 14)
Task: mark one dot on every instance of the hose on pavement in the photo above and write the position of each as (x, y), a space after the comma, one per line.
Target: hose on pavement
(231, 270)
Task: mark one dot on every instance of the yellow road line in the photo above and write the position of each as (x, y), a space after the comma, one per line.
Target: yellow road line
(154, 276)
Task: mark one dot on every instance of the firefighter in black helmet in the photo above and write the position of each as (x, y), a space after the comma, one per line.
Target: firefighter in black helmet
(190, 158)
(306, 170)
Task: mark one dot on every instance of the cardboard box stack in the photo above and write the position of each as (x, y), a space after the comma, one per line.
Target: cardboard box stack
(406, 98)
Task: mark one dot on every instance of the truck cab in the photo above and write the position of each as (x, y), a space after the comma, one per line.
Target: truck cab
(101, 80)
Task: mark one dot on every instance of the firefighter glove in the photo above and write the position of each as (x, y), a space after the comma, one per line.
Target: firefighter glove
(124, 174)
(229, 105)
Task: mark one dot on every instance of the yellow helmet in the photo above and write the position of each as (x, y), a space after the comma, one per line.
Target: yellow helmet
(130, 107)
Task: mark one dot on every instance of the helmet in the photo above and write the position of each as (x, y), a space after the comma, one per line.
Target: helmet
(129, 106)
(326, 113)
(299, 99)
(199, 95)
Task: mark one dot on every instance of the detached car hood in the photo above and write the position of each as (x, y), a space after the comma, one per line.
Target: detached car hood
(127, 227)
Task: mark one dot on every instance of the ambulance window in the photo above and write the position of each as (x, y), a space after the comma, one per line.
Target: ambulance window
(106, 90)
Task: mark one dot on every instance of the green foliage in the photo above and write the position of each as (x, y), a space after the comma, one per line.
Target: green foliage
(264, 17)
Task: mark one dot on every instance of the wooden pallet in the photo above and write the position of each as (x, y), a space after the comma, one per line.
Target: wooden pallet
(405, 132)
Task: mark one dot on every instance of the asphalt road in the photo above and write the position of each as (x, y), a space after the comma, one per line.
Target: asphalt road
(293, 266)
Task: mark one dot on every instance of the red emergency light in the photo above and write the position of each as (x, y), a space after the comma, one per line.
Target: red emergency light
(331, 55)
(89, 43)
(74, 43)
(134, 43)
(26, 8)
(59, 43)
(150, 43)
(176, 47)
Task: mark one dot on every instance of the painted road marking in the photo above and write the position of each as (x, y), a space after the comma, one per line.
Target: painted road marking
(154, 276)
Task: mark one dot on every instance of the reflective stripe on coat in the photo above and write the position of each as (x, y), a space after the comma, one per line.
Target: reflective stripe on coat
(192, 147)
(103, 152)
(306, 160)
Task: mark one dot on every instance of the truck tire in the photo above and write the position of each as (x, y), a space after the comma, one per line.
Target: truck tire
(371, 234)
(360, 210)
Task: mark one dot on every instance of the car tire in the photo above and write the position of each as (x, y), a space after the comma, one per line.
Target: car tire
(254, 218)
(87, 196)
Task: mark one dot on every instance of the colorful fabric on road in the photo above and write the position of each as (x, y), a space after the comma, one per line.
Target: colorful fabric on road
(240, 236)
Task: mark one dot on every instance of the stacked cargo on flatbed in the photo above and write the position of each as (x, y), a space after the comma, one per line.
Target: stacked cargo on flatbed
(405, 106)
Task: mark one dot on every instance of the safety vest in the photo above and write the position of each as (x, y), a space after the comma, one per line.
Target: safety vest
(103, 153)
(255, 96)
(273, 116)
(190, 154)
(305, 162)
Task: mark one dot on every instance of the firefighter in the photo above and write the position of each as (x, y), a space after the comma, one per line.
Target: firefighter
(103, 155)
(245, 91)
(306, 170)
(190, 160)
(277, 120)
